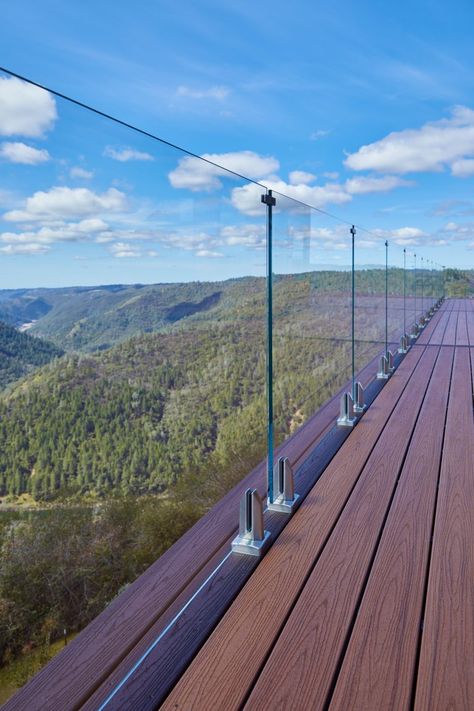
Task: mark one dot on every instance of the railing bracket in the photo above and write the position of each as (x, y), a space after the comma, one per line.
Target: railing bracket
(359, 404)
(404, 344)
(347, 417)
(252, 538)
(384, 370)
(285, 499)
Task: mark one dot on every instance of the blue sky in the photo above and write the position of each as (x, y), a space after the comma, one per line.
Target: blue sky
(364, 109)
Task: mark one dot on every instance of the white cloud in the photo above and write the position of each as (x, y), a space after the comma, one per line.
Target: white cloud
(208, 253)
(21, 153)
(214, 92)
(463, 168)
(60, 232)
(430, 148)
(320, 133)
(25, 110)
(63, 203)
(368, 184)
(301, 177)
(248, 235)
(460, 231)
(332, 175)
(404, 236)
(123, 250)
(196, 174)
(126, 154)
(246, 199)
(81, 173)
(11, 249)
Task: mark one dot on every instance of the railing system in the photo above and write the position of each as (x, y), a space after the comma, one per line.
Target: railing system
(285, 303)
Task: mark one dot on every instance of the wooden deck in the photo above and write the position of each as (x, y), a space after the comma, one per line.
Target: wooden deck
(365, 599)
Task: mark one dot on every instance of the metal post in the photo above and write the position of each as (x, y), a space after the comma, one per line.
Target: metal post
(416, 277)
(422, 285)
(386, 297)
(270, 202)
(353, 233)
(404, 291)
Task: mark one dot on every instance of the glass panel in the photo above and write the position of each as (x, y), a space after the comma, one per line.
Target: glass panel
(396, 301)
(411, 313)
(370, 305)
(311, 312)
(146, 266)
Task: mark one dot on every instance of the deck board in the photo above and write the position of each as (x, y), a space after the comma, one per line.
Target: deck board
(449, 338)
(461, 332)
(220, 676)
(446, 668)
(302, 666)
(379, 664)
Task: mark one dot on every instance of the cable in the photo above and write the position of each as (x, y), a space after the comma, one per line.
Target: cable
(141, 131)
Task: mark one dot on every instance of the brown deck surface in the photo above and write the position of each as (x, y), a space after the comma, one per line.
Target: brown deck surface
(364, 601)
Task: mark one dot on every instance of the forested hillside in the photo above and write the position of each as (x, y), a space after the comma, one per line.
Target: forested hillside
(138, 416)
(88, 319)
(189, 398)
(20, 354)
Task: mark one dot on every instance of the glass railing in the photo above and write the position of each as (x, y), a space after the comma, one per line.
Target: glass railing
(310, 313)
(192, 320)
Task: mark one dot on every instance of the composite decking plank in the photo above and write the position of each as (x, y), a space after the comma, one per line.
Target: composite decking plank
(379, 664)
(472, 368)
(430, 328)
(436, 336)
(301, 668)
(446, 668)
(462, 338)
(470, 325)
(449, 338)
(221, 674)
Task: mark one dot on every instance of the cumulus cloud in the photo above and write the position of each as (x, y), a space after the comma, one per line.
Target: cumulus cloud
(11, 249)
(430, 148)
(246, 235)
(81, 173)
(63, 203)
(459, 231)
(60, 232)
(123, 250)
(21, 153)
(25, 110)
(214, 92)
(126, 154)
(404, 236)
(367, 184)
(208, 253)
(463, 168)
(195, 174)
(320, 133)
(246, 199)
(301, 177)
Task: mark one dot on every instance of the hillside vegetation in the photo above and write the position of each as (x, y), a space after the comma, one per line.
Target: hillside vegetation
(88, 319)
(20, 354)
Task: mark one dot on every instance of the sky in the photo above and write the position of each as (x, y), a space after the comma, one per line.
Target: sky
(362, 110)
